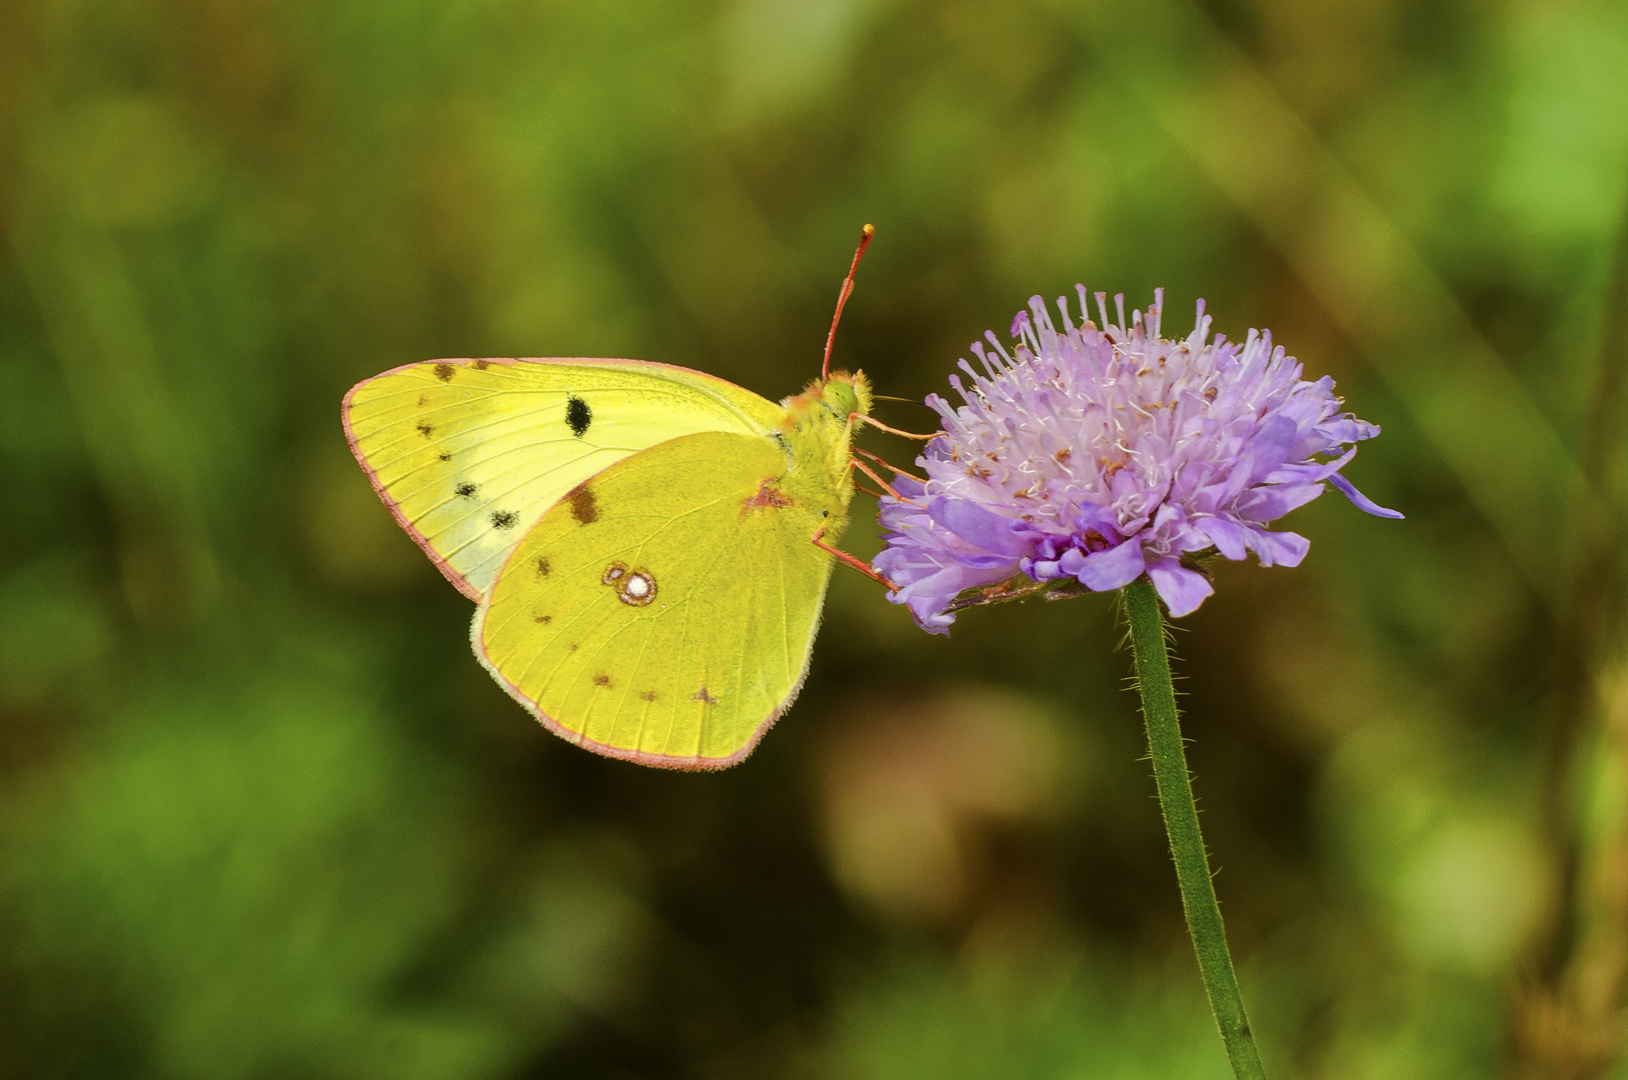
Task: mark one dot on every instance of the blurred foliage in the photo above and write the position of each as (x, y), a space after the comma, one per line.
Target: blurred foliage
(261, 813)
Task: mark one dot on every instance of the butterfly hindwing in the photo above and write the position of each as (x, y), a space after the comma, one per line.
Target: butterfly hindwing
(664, 610)
(470, 454)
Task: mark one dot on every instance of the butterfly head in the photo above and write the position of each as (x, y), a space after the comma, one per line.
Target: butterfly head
(841, 395)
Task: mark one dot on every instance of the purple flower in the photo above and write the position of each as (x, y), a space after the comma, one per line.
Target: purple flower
(1100, 455)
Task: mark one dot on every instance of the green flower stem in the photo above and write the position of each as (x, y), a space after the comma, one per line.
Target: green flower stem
(1181, 822)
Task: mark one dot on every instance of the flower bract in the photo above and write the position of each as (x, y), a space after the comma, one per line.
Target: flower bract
(1102, 453)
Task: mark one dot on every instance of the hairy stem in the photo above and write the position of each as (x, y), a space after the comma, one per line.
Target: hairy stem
(1181, 822)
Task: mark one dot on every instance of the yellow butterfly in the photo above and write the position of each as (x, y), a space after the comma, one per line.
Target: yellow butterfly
(648, 545)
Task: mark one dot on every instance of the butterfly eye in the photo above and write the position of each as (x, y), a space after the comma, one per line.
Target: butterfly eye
(840, 398)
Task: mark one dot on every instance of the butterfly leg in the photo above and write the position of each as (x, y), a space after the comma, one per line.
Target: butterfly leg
(862, 418)
(862, 467)
(851, 560)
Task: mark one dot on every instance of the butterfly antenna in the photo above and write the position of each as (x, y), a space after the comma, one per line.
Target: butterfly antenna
(865, 235)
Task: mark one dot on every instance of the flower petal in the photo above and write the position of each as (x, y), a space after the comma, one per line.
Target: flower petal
(1313, 471)
(1182, 589)
(1278, 548)
(1100, 520)
(973, 523)
(1270, 446)
(1270, 503)
(1359, 500)
(1115, 568)
(908, 486)
(1227, 536)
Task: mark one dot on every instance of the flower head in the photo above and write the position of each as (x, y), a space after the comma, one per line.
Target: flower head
(1102, 454)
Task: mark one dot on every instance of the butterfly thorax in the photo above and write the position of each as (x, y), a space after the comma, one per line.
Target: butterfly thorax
(818, 431)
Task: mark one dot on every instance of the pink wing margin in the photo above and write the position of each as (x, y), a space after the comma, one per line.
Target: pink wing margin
(693, 763)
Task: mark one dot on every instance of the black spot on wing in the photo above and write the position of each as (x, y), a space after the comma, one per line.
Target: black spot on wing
(504, 519)
(703, 696)
(482, 365)
(544, 619)
(445, 455)
(543, 568)
(425, 428)
(444, 372)
(578, 415)
(602, 680)
(465, 489)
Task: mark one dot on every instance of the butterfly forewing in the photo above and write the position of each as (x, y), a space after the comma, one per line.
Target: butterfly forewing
(664, 611)
(470, 454)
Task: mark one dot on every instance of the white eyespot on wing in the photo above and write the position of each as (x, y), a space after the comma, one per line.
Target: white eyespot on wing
(639, 589)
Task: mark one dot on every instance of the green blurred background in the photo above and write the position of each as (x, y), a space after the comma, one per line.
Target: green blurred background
(262, 814)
